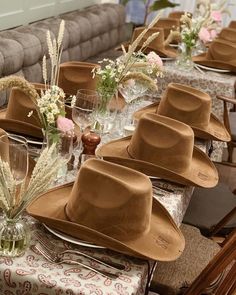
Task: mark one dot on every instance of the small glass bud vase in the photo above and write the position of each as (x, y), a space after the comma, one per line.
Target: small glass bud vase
(184, 60)
(14, 237)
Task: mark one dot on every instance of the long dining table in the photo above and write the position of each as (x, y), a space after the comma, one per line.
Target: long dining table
(32, 274)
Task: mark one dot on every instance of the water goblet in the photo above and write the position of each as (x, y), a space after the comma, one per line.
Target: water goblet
(82, 112)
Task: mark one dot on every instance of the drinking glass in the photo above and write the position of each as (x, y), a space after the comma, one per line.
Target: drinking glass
(82, 112)
(14, 231)
(14, 152)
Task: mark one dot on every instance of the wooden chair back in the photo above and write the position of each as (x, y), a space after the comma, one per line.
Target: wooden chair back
(226, 102)
(223, 263)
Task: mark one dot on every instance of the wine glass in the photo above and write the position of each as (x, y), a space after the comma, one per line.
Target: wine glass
(82, 112)
(14, 152)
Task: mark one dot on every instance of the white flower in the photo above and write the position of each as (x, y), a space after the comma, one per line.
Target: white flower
(30, 114)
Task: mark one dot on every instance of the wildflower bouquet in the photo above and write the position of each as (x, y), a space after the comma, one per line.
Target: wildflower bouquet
(190, 28)
(51, 103)
(132, 65)
(213, 23)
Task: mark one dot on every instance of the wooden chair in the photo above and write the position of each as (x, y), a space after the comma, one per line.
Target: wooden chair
(203, 268)
(230, 124)
(212, 210)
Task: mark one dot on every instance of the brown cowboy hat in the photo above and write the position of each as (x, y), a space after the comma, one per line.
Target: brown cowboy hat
(232, 24)
(112, 206)
(163, 147)
(177, 14)
(15, 118)
(221, 55)
(228, 34)
(77, 75)
(157, 45)
(167, 24)
(190, 106)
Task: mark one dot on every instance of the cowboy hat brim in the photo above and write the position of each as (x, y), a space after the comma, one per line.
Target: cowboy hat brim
(218, 64)
(21, 128)
(163, 242)
(214, 131)
(201, 172)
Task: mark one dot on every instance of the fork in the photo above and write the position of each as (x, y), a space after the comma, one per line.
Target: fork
(51, 247)
(52, 257)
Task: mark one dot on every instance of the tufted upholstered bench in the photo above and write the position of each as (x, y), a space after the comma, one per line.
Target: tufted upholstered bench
(90, 34)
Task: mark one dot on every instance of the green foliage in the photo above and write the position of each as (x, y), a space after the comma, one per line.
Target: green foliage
(124, 2)
(161, 4)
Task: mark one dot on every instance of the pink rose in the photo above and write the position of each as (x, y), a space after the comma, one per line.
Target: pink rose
(213, 34)
(64, 124)
(216, 16)
(154, 59)
(204, 35)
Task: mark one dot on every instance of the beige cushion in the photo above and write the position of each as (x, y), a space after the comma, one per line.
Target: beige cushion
(170, 277)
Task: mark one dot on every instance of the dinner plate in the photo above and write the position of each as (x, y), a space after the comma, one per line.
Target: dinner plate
(167, 58)
(174, 45)
(71, 239)
(212, 69)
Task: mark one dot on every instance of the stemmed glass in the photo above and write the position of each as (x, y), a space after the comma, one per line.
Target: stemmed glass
(133, 91)
(14, 152)
(82, 112)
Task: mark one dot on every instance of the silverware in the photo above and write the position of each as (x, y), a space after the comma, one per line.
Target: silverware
(51, 247)
(52, 257)
(197, 68)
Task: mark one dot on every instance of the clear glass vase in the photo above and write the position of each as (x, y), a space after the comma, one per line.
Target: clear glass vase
(106, 111)
(184, 60)
(14, 237)
(63, 149)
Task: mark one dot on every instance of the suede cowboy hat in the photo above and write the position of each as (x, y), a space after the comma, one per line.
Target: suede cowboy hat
(176, 14)
(15, 118)
(221, 55)
(162, 147)
(232, 24)
(167, 24)
(157, 45)
(77, 75)
(228, 34)
(112, 206)
(190, 106)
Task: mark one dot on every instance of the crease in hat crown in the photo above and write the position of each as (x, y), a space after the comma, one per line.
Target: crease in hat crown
(120, 208)
(186, 104)
(164, 138)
